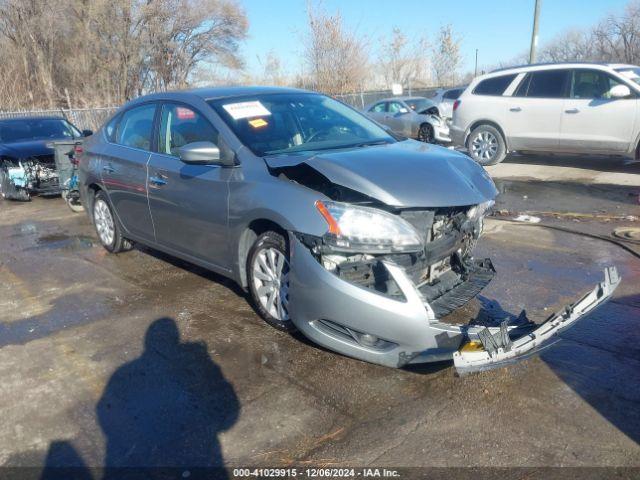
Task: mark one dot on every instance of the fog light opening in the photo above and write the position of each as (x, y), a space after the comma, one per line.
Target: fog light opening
(369, 340)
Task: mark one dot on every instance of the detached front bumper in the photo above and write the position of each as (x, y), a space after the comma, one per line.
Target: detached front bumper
(497, 349)
(441, 133)
(391, 331)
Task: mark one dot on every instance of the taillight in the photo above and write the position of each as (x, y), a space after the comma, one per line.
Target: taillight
(77, 153)
(456, 104)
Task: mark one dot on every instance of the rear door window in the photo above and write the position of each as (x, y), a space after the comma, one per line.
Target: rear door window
(544, 84)
(494, 86)
(135, 128)
(379, 107)
(453, 94)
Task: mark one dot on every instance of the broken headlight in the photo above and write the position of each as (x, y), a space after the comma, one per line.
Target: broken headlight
(367, 230)
(482, 209)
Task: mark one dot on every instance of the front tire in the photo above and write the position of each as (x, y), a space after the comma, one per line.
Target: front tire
(426, 134)
(107, 227)
(486, 145)
(268, 278)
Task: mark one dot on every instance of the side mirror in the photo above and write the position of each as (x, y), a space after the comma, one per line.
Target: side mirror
(199, 153)
(87, 133)
(619, 91)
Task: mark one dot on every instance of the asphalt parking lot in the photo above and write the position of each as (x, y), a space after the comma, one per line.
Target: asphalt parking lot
(141, 359)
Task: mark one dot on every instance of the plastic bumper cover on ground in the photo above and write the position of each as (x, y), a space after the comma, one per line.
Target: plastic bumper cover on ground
(494, 350)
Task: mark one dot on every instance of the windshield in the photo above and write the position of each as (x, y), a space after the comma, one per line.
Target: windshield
(33, 129)
(297, 122)
(632, 73)
(419, 104)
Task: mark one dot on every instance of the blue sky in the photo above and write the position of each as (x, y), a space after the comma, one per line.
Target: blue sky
(500, 29)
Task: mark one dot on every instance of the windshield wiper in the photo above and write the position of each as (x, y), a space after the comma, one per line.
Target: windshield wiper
(370, 143)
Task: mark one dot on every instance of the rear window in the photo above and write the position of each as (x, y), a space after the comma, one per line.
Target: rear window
(544, 84)
(452, 94)
(494, 86)
(36, 128)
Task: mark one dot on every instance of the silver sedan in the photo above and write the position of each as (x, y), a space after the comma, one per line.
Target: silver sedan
(412, 117)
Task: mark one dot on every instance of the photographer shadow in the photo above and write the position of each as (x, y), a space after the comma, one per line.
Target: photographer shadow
(161, 414)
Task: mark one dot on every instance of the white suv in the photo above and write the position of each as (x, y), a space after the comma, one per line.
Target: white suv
(563, 108)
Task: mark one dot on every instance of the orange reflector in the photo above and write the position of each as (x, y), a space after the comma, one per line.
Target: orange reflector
(333, 225)
(472, 346)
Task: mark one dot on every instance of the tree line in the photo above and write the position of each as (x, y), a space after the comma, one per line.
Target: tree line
(77, 53)
(103, 52)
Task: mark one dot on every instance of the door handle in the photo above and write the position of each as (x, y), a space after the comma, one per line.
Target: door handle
(572, 110)
(108, 168)
(515, 109)
(158, 181)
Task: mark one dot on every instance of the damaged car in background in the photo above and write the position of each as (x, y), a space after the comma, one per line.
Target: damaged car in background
(27, 159)
(411, 117)
(360, 240)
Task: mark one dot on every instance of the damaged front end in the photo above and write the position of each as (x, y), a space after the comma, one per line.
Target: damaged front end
(20, 178)
(378, 284)
(380, 298)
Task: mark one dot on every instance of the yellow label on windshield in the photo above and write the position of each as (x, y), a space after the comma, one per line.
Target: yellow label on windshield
(258, 122)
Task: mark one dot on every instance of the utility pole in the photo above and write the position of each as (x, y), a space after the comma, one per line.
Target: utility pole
(475, 72)
(534, 33)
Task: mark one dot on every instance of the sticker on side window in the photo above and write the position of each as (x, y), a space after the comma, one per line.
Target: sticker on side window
(185, 113)
(246, 110)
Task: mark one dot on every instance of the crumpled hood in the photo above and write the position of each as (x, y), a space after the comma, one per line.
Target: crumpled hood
(21, 150)
(402, 174)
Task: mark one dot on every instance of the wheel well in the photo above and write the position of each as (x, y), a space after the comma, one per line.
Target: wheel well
(92, 191)
(248, 237)
(487, 122)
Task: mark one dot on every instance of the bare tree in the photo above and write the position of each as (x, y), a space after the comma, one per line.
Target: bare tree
(107, 51)
(570, 46)
(446, 56)
(180, 34)
(617, 37)
(273, 73)
(337, 59)
(404, 62)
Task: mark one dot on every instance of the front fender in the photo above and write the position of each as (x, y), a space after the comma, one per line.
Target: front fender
(289, 205)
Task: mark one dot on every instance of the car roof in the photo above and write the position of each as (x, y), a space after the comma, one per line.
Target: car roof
(32, 117)
(554, 65)
(402, 98)
(213, 93)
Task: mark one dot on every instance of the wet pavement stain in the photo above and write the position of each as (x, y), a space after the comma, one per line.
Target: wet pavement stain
(62, 241)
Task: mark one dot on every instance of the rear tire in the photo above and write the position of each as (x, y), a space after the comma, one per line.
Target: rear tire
(486, 145)
(268, 279)
(107, 226)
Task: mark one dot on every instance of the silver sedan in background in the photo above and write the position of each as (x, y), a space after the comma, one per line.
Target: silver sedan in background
(411, 117)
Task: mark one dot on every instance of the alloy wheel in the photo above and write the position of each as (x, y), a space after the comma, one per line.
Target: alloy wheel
(484, 146)
(270, 273)
(104, 222)
(425, 134)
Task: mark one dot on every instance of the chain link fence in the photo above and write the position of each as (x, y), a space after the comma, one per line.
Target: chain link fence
(83, 118)
(93, 118)
(362, 99)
